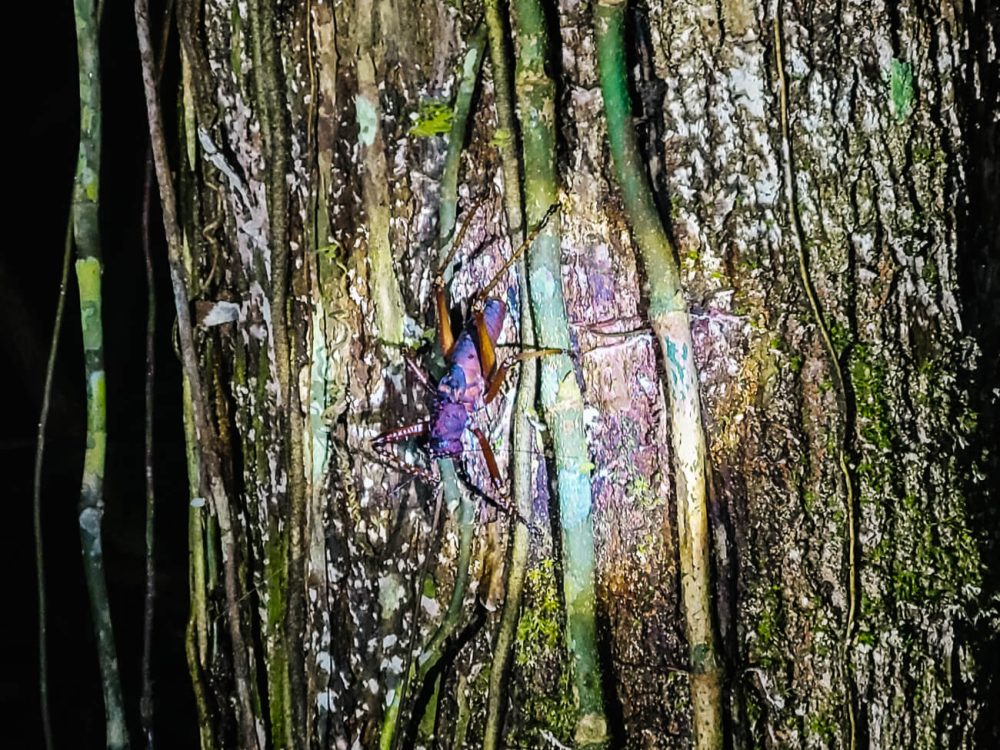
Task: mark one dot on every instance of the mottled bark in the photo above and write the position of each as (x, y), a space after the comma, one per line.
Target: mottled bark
(860, 202)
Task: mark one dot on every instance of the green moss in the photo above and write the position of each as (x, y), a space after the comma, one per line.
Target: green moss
(548, 701)
(933, 157)
(868, 377)
(754, 712)
(641, 493)
(795, 363)
(540, 627)
(929, 272)
(901, 90)
(501, 138)
(433, 118)
(942, 561)
(766, 648)
(276, 576)
(839, 335)
(236, 41)
(809, 498)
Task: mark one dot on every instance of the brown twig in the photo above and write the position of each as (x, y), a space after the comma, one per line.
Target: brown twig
(43, 418)
(206, 449)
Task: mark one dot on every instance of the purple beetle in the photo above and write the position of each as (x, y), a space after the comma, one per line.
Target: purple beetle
(472, 381)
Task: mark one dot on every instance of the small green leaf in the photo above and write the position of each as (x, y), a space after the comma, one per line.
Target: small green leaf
(901, 88)
(430, 590)
(434, 118)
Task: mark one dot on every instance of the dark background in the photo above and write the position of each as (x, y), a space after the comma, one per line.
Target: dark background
(43, 132)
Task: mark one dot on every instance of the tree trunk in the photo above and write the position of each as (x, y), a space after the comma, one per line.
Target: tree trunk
(822, 171)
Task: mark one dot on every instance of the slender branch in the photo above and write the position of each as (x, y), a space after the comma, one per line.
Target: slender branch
(196, 632)
(798, 239)
(86, 236)
(146, 703)
(209, 463)
(524, 404)
(472, 65)
(562, 399)
(669, 318)
(43, 418)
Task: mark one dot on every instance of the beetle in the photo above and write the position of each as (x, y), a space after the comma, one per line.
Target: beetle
(473, 376)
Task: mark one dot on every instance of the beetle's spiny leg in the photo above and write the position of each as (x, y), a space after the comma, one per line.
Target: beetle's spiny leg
(496, 380)
(484, 293)
(387, 456)
(399, 434)
(457, 240)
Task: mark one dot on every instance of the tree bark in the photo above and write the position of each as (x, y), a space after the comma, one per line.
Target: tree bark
(817, 170)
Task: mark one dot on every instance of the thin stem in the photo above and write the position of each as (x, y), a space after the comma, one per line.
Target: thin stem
(561, 397)
(209, 462)
(146, 703)
(86, 236)
(669, 318)
(270, 107)
(527, 386)
(43, 418)
(434, 649)
(196, 633)
(798, 240)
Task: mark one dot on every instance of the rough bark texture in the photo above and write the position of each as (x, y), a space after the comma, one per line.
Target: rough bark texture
(344, 581)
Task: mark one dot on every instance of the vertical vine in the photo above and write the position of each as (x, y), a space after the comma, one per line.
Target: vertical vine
(798, 239)
(561, 396)
(86, 235)
(43, 418)
(669, 317)
(527, 386)
(204, 447)
(453, 495)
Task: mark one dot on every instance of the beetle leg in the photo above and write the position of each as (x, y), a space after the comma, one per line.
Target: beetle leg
(491, 460)
(496, 381)
(388, 457)
(456, 239)
(399, 434)
(418, 371)
(445, 336)
(485, 345)
(383, 447)
(497, 503)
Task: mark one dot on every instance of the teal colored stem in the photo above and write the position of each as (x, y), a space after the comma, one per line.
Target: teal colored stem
(561, 397)
(472, 65)
(669, 318)
(434, 649)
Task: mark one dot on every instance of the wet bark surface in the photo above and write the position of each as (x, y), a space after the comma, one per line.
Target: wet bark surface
(889, 118)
